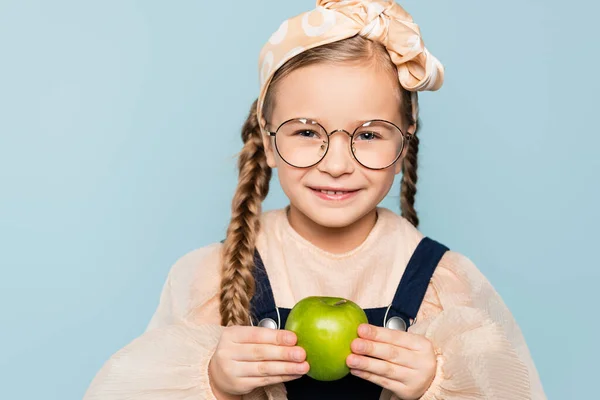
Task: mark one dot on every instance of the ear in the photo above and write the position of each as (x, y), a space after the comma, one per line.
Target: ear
(268, 143)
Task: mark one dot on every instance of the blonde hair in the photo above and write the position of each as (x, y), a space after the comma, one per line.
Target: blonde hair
(237, 281)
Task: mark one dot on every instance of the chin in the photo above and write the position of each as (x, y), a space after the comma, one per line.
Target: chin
(334, 220)
(335, 217)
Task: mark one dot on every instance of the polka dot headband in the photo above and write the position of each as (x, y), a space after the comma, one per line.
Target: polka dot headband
(383, 21)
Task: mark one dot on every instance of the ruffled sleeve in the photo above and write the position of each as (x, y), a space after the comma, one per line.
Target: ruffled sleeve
(164, 363)
(170, 360)
(482, 353)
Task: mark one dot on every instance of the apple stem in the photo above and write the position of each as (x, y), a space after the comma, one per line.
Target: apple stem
(340, 302)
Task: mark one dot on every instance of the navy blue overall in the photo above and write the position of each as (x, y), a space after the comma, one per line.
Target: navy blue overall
(406, 303)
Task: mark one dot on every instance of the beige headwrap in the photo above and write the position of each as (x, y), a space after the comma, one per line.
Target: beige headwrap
(383, 21)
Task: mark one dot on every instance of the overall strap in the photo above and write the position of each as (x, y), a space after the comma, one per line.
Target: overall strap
(262, 304)
(415, 280)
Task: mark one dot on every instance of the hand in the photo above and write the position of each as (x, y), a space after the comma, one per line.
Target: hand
(401, 362)
(250, 357)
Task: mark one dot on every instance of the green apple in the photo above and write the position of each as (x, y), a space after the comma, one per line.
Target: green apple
(325, 327)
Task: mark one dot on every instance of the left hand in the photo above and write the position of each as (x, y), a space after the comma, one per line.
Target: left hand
(401, 362)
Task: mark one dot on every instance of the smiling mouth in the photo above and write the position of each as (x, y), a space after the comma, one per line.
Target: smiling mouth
(330, 194)
(335, 192)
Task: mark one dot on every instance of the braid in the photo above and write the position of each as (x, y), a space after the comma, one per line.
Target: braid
(408, 188)
(237, 281)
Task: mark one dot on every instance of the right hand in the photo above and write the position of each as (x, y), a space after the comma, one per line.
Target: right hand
(249, 357)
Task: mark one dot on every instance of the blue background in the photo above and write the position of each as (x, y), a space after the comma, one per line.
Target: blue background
(119, 126)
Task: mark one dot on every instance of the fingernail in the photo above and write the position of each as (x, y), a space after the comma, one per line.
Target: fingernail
(289, 339)
(301, 368)
(297, 355)
(360, 346)
(363, 329)
(352, 362)
(356, 372)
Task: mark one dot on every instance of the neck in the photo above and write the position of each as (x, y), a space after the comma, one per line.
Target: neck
(332, 239)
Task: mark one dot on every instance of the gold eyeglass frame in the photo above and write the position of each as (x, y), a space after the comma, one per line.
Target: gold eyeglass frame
(405, 140)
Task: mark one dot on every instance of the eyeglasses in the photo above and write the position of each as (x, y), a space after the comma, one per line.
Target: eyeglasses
(375, 144)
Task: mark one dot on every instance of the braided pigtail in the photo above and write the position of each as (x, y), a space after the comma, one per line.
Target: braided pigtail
(237, 281)
(408, 187)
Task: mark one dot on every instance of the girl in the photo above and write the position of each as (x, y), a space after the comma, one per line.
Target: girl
(337, 115)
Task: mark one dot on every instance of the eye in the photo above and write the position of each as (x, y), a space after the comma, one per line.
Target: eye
(307, 133)
(368, 136)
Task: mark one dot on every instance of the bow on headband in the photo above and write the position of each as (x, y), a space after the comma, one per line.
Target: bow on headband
(383, 21)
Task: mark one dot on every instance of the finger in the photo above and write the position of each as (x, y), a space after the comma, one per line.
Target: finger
(392, 336)
(382, 368)
(272, 368)
(269, 352)
(270, 380)
(254, 334)
(387, 383)
(385, 351)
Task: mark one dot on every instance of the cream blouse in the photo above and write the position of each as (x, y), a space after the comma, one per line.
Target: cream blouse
(483, 354)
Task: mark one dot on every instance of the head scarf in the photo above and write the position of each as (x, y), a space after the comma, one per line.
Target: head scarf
(383, 21)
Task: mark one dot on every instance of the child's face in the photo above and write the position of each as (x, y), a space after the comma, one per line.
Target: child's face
(338, 97)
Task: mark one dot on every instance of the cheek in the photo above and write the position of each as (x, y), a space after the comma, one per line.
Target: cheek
(381, 181)
(289, 177)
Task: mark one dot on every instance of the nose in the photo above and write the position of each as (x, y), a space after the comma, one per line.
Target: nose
(338, 160)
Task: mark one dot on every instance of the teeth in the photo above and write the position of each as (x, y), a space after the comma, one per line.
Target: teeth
(330, 192)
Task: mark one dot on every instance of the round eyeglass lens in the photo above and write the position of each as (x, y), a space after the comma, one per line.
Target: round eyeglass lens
(301, 142)
(377, 144)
